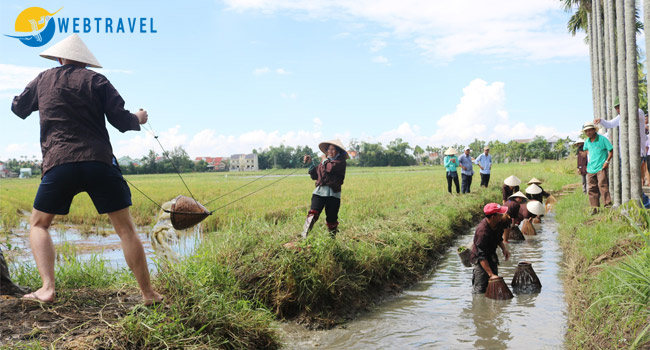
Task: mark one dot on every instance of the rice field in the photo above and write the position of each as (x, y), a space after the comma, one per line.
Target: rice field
(394, 222)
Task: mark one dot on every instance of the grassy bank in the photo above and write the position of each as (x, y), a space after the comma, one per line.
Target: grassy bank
(608, 275)
(394, 224)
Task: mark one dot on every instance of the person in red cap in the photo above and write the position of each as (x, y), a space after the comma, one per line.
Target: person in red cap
(487, 237)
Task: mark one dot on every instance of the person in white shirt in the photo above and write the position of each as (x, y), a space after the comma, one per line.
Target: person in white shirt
(608, 124)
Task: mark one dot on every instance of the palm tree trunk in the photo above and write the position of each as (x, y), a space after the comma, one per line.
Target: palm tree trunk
(608, 75)
(592, 60)
(615, 179)
(633, 100)
(602, 100)
(622, 94)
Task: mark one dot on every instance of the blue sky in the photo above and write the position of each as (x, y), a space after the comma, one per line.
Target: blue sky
(224, 77)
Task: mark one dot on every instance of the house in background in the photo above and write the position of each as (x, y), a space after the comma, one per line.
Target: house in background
(215, 163)
(25, 173)
(244, 162)
(353, 154)
(4, 172)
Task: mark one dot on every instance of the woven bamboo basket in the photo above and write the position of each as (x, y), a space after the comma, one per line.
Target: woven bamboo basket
(525, 280)
(498, 289)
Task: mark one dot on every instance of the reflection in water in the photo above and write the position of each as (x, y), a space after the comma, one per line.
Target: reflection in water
(442, 313)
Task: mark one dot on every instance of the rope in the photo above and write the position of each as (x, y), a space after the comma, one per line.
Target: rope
(259, 189)
(166, 154)
(242, 186)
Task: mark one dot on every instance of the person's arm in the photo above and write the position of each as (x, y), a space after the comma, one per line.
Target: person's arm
(486, 267)
(504, 249)
(446, 161)
(120, 118)
(27, 102)
(608, 124)
(609, 157)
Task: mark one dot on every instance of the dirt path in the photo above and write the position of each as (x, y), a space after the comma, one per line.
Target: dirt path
(80, 319)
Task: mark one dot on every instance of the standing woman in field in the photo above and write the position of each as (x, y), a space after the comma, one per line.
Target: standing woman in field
(73, 104)
(329, 175)
(451, 163)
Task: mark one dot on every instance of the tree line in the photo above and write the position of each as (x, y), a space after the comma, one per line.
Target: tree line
(366, 154)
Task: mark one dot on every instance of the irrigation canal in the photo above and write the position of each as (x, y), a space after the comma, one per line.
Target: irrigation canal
(441, 313)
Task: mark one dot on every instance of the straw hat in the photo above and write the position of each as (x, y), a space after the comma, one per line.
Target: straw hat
(588, 125)
(451, 152)
(324, 145)
(533, 189)
(518, 194)
(535, 207)
(534, 181)
(512, 181)
(71, 48)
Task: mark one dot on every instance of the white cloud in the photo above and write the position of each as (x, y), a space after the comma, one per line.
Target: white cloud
(291, 95)
(260, 71)
(281, 71)
(13, 77)
(208, 142)
(318, 124)
(446, 29)
(481, 114)
(380, 59)
(377, 44)
(17, 150)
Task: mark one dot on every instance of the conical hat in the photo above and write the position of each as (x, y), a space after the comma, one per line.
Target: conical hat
(323, 147)
(451, 151)
(534, 181)
(512, 181)
(533, 189)
(71, 48)
(535, 207)
(518, 194)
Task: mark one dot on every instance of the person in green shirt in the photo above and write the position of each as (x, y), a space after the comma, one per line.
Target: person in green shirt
(599, 151)
(451, 163)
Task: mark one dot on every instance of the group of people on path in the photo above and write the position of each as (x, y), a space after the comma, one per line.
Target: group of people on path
(452, 162)
(495, 230)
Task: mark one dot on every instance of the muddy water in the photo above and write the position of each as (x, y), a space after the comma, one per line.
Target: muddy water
(441, 313)
(105, 245)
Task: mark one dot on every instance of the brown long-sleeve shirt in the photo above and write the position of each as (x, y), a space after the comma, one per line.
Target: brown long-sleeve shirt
(72, 102)
(486, 241)
(331, 173)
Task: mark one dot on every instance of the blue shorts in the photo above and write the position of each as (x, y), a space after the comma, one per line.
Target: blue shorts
(103, 183)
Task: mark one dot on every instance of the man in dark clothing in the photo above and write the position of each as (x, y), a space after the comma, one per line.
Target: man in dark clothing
(513, 204)
(488, 236)
(78, 157)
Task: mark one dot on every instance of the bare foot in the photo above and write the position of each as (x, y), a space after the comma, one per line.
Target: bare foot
(42, 295)
(153, 300)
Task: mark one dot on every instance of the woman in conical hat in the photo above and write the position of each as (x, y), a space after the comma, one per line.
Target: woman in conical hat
(536, 192)
(451, 163)
(510, 186)
(329, 175)
(78, 157)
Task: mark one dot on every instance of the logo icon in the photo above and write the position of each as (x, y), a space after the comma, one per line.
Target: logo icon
(38, 23)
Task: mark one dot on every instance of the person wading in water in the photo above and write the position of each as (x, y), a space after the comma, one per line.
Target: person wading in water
(329, 175)
(488, 236)
(78, 157)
